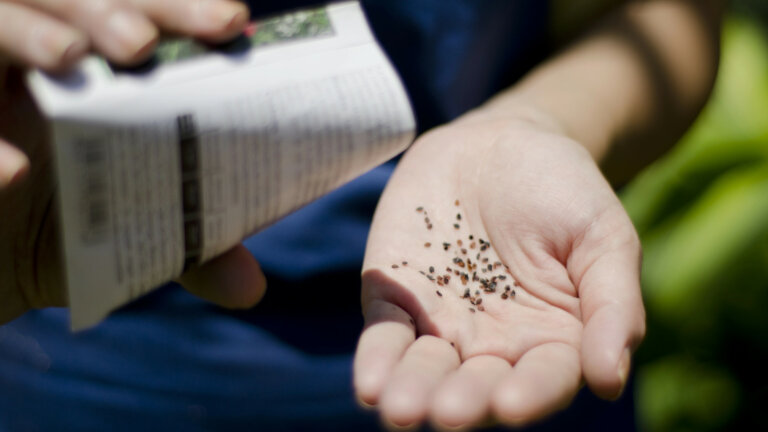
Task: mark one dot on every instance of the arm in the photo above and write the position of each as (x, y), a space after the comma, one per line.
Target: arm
(630, 87)
(522, 173)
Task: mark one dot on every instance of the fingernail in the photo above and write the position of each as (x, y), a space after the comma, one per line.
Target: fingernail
(133, 31)
(74, 51)
(623, 368)
(55, 48)
(222, 15)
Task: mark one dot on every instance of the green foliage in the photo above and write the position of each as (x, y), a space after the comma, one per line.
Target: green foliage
(702, 214)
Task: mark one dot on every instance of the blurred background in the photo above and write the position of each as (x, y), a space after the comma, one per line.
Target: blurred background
(702, 214)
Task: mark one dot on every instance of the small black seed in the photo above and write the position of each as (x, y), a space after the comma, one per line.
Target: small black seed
(458, 216)
(439, 294)
(394, 266)
(419, 209)
(431, 269)
(456, 226)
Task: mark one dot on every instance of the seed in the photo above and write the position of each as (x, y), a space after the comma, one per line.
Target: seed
(497, 264)
(429, 226)
(440, 282)
(422, 272)
(446, 246)
(439, 294)
(472, 310)
(456, 272)
(458, 216)
(502, 277)
(456, 226)
(472, 245)
(504, 296)
(431, 269)
(512, 294)
(478, 301)
(419, 209)
(453, 345)
(490, 267)
(477, 292)
(459, 242)
(506, 288)
(516, 283)
(466, 293)
(471, 237)
(481, 308)
(446, 278)
(485, 260)
(456, 203)
(394, 266)
(448, 269)
(478, 255)
(405, 263)
(483, 247)
(427, 244)
(430, 277)
(426, 220)
(464, 251)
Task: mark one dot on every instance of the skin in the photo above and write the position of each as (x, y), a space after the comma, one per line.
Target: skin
(525, 167)
(52, 35)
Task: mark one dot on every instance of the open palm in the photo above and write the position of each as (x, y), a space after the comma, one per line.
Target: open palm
(500, 270)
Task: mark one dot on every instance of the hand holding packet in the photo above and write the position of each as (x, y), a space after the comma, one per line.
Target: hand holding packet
(166, 166)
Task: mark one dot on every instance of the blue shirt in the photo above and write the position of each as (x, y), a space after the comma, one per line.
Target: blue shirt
(172, 362)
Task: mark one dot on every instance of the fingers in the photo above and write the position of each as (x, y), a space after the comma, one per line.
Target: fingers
(33, 38)
(13, 163)
(465, 396)
(543, 381)
(233, 280)
(214, 20)
(614, 319)
(406, 399)
(388, 333)
(121, 33)
(52, 34)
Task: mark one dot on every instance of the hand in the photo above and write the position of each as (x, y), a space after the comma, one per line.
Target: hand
(52, 35)
(573, 308)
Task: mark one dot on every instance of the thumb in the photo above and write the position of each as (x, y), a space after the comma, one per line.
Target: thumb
(233, 280)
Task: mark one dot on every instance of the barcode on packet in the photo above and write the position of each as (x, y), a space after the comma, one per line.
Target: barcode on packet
(93, 190)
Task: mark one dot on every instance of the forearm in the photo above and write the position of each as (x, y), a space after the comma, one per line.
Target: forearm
(629, 88)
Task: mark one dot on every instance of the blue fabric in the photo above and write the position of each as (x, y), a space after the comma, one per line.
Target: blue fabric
(172, 362)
